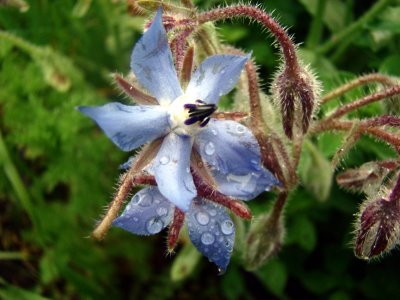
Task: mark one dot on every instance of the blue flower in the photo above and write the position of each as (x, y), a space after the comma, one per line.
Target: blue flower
(210, 228)
(183, 120)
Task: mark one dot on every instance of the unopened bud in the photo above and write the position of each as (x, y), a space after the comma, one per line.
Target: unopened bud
(378, 227)
(367, 178)
(264, 240)
(296, 94)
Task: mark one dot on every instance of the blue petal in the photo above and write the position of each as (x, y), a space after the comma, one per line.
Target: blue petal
(233, 155)
(172, 172)
(151, 61)
(129, 126)
(147, 213)
(215, 77)
(211, 231)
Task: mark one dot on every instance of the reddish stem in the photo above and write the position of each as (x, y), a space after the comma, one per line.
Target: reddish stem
(179, 46)
(394, 90)
(366, 79)
(237, 207)
(287, 46)
(175, 228)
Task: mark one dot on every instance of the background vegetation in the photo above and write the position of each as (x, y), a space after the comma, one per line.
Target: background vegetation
(58, 171)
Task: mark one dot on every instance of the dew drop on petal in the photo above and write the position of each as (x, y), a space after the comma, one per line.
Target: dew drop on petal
(146, 200)
(207, 238)
(136, 199)
(164, 160)
(213, 212)
(214, 132)
(135, 219)
(240, 128)
(202, 218)
(162, 211)
(209, 149)
(227, 227)
(154, 225)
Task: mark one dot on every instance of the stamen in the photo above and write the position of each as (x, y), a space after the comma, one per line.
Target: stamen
(199, 112)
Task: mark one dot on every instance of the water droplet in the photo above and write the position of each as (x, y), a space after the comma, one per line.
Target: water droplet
(146, 200)
(202, 218)
(213, 212)
(228, 244)
(240, 129)
(136, 199)
(209, 149)
(188, 170)
(162, 211)
(222, 72)
(154, 225)
(207, 238)
(135, 219)
(128, 207)
(227, 227)
(164, 160)
(214, 132)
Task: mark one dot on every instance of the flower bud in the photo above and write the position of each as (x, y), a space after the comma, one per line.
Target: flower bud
(296, 93)
(264, 240)
(367, 178)
(378, 227)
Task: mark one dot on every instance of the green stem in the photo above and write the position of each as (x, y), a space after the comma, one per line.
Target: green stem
(314, 35)
(356, 26)
(4, 255)
(16, 182)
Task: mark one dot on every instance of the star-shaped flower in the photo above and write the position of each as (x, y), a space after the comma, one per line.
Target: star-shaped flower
(184, 121)
(210, 228)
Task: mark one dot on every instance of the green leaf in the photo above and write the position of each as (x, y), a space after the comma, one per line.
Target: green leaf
(185, 262)
(391, 65)
(329, 142)
(274, 275)
(12, 293)
(334, 14)
(302, 232)
(315, 171)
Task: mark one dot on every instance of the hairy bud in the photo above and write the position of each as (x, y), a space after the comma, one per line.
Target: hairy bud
(379, 227)
(367, 178)
(296, 94)
(264, 240)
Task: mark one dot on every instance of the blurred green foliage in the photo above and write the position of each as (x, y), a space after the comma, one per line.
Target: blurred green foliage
(58, 171)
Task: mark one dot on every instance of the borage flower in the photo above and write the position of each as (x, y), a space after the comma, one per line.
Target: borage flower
(183, 121)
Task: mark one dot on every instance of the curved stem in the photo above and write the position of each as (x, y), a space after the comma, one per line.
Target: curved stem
(366, 79)
(286, 44)
(394, 90)
(336, 39)
(390, 138)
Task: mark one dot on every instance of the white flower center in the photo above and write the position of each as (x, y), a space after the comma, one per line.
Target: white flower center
(188, 115)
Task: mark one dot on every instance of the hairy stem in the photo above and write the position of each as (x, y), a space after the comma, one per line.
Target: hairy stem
(127, 182)
(391, 138)
(277, 209)
(394, 90)
(254, 13)
(366, 79)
